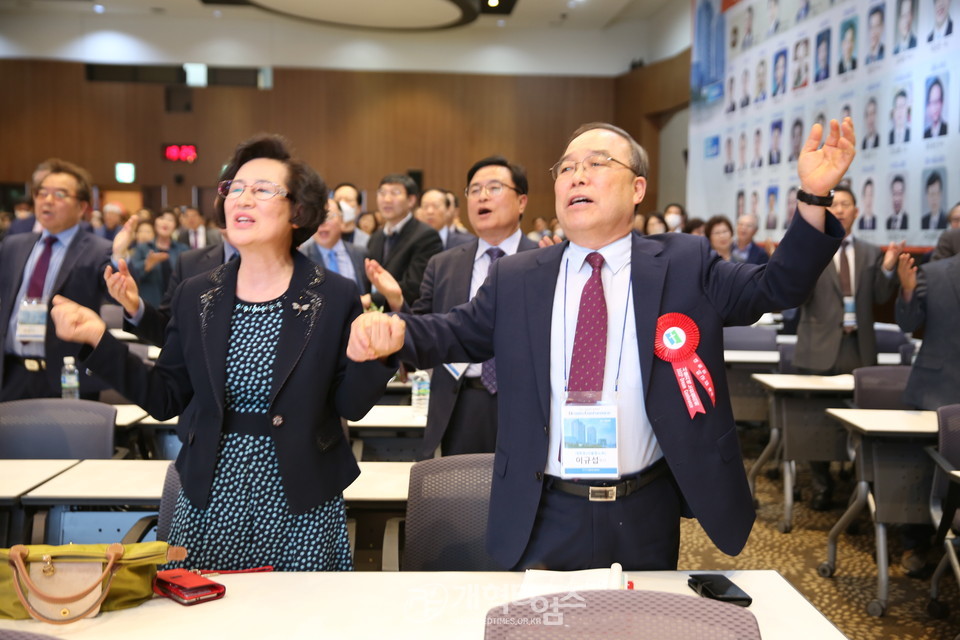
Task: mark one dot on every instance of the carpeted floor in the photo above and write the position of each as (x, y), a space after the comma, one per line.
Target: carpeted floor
(843, 598)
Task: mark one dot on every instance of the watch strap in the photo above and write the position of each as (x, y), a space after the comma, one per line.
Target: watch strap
(819, 201)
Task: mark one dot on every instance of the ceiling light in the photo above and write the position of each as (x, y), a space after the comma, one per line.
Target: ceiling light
(98, 8)
(501, 23)
(217, 13)
(493, 3)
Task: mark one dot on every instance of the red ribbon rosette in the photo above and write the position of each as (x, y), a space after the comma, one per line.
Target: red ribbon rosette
(676, 342)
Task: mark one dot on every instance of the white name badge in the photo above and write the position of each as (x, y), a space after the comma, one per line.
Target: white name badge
(589, 447)
(849, 312)
(32, 320)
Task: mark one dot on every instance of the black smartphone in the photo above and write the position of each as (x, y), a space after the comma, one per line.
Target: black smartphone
(718, 587)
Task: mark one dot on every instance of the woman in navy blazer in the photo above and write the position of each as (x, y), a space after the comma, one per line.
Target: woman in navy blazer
(254, 364)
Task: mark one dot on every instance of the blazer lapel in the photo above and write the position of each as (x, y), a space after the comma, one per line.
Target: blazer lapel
(216, 309)
(648, 272)
(539, 287)
(462, 275)
(302, 308)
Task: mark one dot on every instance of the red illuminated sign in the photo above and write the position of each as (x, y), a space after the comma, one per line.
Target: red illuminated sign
(180, 152)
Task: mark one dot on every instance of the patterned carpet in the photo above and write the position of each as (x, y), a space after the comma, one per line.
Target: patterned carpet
(842, 599)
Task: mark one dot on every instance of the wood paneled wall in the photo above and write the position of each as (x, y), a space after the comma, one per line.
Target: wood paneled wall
(642, 97)
(351, 126)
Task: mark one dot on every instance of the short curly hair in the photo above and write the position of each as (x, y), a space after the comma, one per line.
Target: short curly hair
(307, 190)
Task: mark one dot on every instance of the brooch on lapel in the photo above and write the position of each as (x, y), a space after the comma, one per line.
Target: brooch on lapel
(676, 342)
(300, 308)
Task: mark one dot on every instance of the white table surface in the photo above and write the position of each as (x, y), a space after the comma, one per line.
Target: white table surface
(141, 482)
(114, 482)
(18, 477)
(793, 382)
(734, 356)
(887, 421)
(390, 416)
(419, 606)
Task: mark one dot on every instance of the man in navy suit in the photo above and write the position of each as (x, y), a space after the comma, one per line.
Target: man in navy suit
(404, 245)
(666, 301)
(62, 259)
(328, 248)
(462, 417)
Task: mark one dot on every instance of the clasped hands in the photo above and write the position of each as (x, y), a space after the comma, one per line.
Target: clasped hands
(375, 335)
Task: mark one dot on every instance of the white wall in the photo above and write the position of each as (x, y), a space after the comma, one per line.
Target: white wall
(672, 180)
(274, 41)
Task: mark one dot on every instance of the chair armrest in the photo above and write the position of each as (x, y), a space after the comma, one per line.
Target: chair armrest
(140, 529)
(942, 462)
(391, 544)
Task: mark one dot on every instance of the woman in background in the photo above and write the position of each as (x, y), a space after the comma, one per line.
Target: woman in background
(153, 261)
(719, 232)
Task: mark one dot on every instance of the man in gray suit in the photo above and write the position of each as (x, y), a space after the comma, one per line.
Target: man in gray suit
(462, 417)
(836, 334)
(327, 247)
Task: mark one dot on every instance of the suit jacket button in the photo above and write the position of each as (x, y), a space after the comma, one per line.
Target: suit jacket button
(277, 421)
(539, 476)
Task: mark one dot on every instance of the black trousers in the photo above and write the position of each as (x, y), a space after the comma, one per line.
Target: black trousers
(641, 531)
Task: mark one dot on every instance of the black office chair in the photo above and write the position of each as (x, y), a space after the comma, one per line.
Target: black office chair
(880, 387)
(752, 338)
(446, 522)
(622, 614)
(56, 428)
(947, 458)
(161, 520)
(890, 340)
(787, 352)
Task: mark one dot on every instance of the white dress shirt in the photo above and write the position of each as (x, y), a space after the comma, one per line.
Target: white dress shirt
(638, 447)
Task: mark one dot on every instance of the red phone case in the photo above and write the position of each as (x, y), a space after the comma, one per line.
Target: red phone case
(187, 587)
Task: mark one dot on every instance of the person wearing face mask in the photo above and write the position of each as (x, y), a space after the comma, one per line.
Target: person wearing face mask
(350, 200)
(675, 216)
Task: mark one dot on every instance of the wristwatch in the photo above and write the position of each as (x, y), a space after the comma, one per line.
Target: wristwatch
(819, 201)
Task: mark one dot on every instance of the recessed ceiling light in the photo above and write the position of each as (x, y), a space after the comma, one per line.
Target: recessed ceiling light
(98, 8)
(493, 3)
(501, 23)
(217, 13)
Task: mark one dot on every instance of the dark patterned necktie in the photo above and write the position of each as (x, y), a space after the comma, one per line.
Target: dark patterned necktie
(846, 284)
(590, 340)
(39, 275)
(488, 371)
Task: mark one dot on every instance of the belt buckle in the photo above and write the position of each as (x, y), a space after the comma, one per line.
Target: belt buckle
(602, 494)
(31, 365)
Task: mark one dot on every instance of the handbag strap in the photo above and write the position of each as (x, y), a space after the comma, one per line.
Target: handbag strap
(18, 556)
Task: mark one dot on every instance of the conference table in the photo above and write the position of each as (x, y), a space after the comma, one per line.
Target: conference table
(18, 477)
(798, 426)
(401, 605)
(894, 475)
(390, 432)
(139, 483)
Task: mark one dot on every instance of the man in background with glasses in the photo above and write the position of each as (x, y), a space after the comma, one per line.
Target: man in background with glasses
(592, 338)
(62, 259)
(405, 244)
(462, 417)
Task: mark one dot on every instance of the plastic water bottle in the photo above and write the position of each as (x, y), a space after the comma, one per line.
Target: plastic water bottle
(419, 392)
(70, 379)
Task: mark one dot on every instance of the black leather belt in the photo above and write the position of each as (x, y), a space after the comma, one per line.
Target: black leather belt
(612, 490)
(30, 364)
(474, 383)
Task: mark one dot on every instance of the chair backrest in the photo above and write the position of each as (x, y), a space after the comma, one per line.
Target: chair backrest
(168, 500)
(56, 428)
(750, 338)
(907, 349)
(447, 505)
(786, 358)
(112, 314)
(620, 614)
(880, 387)
(890, 340)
